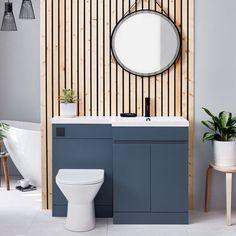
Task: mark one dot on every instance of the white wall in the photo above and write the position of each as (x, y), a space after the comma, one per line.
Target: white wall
(215, 85)
(19, 69)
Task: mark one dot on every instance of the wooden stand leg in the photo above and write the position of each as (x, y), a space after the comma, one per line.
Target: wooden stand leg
(208, 188)
(6, 174)
(228, 197)
(0, 171)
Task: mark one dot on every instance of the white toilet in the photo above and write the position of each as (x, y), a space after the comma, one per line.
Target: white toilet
(80, 186)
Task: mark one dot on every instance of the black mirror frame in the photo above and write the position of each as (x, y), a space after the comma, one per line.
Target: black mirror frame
(156, 72)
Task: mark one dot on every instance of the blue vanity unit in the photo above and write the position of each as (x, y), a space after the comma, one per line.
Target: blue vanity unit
(145, 163)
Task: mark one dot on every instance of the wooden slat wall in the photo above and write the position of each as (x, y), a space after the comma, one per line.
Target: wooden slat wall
(75, 53)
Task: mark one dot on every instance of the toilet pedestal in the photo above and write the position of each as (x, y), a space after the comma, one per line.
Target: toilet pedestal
(80, 187)
(80, 217)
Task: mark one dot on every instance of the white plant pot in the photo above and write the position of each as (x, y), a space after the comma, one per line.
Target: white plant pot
(68, 110)
(224, 153)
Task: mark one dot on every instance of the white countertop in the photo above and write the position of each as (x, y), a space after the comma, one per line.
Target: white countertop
(116, 121)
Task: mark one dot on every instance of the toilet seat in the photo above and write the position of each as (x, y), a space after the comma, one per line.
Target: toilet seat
(80, 176)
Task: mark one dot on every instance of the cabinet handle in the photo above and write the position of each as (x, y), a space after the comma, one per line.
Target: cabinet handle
(60, 132)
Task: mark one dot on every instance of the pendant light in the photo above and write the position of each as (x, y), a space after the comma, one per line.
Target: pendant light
(27, 11)
(8, 22)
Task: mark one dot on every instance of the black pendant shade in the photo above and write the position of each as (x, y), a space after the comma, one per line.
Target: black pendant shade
(27, 11)
(8, 22)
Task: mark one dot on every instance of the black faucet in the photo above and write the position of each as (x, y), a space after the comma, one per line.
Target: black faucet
(147, 107)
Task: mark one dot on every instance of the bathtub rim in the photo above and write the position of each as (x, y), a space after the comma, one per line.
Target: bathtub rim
(23, 125)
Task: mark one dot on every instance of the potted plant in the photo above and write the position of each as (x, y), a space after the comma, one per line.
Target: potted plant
(3, 132)
(68, 103)
(222, 133)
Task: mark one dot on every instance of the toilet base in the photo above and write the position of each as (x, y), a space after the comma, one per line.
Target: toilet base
(80, 217)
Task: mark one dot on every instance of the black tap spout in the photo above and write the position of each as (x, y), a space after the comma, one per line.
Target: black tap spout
(147, 107)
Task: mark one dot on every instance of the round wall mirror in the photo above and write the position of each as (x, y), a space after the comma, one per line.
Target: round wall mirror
(145, 43)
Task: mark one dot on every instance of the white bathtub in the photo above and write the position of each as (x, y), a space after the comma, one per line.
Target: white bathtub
(23, 143)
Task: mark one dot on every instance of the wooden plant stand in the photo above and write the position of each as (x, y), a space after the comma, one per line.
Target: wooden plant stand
(4, 160)
(228, 173)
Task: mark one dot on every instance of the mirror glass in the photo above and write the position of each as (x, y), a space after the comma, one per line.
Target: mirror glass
(145, 43)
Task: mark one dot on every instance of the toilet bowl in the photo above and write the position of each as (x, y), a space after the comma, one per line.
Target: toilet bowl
(80, 186)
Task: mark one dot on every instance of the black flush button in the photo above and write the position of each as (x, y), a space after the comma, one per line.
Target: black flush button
(60, 132)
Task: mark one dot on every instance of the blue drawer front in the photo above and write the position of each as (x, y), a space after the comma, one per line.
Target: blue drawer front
(82, 131)
(150, 133)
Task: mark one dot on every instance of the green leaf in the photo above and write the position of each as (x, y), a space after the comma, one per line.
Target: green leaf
(3, 130)
(209, 125)
(208, 112)
(233, 121)
(68, 96)
(208, 136)
(224, 118)
(217, 122)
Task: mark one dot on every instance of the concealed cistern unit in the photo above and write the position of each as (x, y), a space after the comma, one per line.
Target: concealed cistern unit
(147, 107)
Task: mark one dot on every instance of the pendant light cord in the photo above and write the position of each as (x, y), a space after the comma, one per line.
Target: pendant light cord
(137, 2)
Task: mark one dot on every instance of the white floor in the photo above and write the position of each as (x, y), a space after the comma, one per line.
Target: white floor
(21, 215)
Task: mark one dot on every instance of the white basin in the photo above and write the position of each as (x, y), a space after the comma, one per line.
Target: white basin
(151, 122)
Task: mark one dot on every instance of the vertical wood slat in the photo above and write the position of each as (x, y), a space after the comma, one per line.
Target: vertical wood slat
(184, 59)
(68, 43)
(43, 106)
(132, 82)
(171, 79)
(158, 107)
(94, 57)
(49, 89)
(107, 56)
(56, 92)
(62, 44)
(158, 78)
(87, 57)
(113, 63)
(139, 79)
(184, 65)
(191, 99)
(178, 63)
(145, 79)
(165, 76)
(100, 58)
(152, 86)
(74, 45)
(157, 81)
(119, 69)
(126, 87)
(81, 57)
(75, 53)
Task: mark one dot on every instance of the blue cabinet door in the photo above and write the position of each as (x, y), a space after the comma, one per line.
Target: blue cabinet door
(84, 154)
(131, 177)
(169, 177)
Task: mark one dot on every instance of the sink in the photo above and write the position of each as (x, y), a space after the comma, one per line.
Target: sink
(170, 121)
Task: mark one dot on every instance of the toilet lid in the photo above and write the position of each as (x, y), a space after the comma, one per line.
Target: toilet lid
(80, 176)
